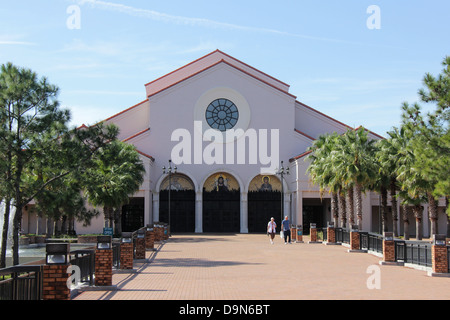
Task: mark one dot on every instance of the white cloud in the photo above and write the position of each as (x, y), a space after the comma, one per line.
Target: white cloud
(201, 22)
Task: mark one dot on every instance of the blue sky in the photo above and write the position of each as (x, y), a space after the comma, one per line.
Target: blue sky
(323, 49)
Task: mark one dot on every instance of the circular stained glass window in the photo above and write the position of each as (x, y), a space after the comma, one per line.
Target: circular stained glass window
(222, 114)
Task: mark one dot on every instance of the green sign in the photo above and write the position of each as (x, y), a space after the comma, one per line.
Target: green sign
(108, 231)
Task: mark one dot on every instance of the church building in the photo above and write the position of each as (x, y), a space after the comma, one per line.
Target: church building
(228, 130)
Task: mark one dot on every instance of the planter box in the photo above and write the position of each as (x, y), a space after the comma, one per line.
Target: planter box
(24, 241)
(40, 239)
(87, 239)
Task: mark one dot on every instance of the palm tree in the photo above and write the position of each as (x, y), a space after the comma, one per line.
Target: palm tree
(415, 183)
(322, 172)
(119, 172)
(388, 158)
(355, 161)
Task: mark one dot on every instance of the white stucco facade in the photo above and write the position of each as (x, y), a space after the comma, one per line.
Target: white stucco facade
(271, 116)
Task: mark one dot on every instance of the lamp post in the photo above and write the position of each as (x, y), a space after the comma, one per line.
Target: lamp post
(282, 171)
(169, 171)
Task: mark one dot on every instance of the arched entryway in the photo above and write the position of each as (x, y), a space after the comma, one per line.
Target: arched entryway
(221, 204)
(182, 203)
(264, 202)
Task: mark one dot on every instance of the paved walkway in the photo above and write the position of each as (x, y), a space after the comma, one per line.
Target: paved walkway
(248, 267)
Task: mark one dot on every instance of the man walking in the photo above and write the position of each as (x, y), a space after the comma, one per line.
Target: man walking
(286, 229)
(271, 229)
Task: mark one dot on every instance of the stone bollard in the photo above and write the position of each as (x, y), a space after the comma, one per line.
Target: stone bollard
(140, 245)
(55, 272)
(293, 233)
(149, 238)
(439, 254)
(388, 247)
(299, 234)
(126, 251)
(103, 261)
(354, 238)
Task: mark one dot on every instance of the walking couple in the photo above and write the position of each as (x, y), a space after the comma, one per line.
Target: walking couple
(271, 229)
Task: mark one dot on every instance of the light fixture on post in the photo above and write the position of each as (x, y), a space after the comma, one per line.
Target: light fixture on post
(57, 253)
(169, 171)
(104, 242)
(127, 237)
(282, 171)
(141, 233)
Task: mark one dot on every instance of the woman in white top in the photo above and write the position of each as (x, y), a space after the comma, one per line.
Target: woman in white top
(271, 229)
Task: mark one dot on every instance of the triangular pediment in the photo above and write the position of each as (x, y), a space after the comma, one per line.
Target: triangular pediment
(205, 63)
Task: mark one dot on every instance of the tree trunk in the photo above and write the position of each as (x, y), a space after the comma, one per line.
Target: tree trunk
(358, 204)
(57, 227)
(107, 214)
(72, 227)
(334, 208)
(405, 222)
(5, 233)
(50, 224)
(16, 231)
(384, 209)
(118, 221)
(64, 225)
(433, 213)
(350, 206)
(342, 210)
(394, 208)
(418, 214)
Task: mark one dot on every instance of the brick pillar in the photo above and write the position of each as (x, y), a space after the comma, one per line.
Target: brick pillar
(54, 282)
(103, 267)
(331, 235)
(313, 234)
(158, 233)
(294, 233)
(140, 247)
(388, 247)
(126, 255)
(439, 254)
(354, 238)
(150, 239)
(299, 234)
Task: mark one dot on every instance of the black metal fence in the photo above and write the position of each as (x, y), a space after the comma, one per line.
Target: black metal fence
(116, 254)
(371, 242)
(413, 252)
(448, 258)
(21, 283)
(322, 234)
(85, 260)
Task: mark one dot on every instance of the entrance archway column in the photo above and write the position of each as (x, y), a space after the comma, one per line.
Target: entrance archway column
(199, 212)
(155, 207)
(299, 209)
(244, 212)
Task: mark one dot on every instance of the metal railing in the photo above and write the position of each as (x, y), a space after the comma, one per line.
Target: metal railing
(116, 254)
(371, 242)
(322, 234)
(448, 259)
(85, 260)
(413, 252)
(21, 283)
